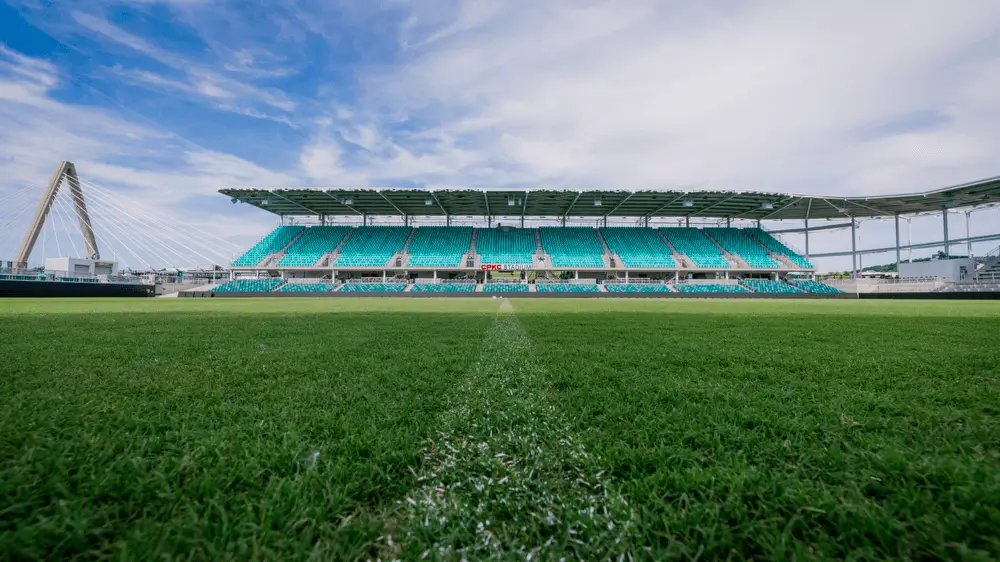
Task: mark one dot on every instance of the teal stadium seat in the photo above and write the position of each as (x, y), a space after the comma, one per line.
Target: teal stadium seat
(505, 288)
(817, 287)
(567, 288)
(249, 285)
(638, 247)
(709, 288)
(572, 247)
(314, 243)
(515, 246)
(273, 242)
(291, 287)
(769, 286)
(443, 288)
(637, 288)
(372, 246)
(439, 246)
(740, 243)
(700, 250)
(775, 245)
(373, 288)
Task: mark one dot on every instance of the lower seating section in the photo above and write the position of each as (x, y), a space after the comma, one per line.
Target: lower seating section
(816, 287)
(443, 288)
(710, 288)
(306, 288)
(249, 285)
(638, 247)
(775, 245)
(769, 286)
(637, 288)
(700, 250)
(567, 288)
(738, 242)
(505, 288)
(373, 287)
(273, 242)
(572, 246)
(515, 246)
(439, 246)
(372, 246)
(313, 245)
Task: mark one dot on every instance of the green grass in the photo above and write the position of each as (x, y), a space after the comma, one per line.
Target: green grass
(382, 428)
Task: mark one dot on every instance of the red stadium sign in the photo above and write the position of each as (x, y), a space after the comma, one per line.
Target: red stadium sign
(504, 267)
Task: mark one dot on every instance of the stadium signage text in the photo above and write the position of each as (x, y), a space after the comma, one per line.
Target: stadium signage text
(504, 267)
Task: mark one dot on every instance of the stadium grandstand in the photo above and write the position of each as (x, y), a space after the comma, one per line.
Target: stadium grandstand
(461, 241)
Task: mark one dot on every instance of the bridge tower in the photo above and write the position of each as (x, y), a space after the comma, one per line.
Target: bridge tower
(65, 173)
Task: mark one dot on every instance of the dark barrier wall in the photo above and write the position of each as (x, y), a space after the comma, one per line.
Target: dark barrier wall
(408, 295)
(61, 289)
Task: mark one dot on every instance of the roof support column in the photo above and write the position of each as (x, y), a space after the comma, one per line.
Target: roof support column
(729, 222)
(564, 220)
(447, 220)
(944, 221)
(522, 221)
(364, 219)
(605, 221)
(807, 239)
(854, 249)
(687, 221)
(968, 232)
(897, 242)
(758, 223)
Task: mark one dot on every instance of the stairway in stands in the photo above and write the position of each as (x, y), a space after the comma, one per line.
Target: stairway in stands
(680, 258)
(730, 257)
(608, 256)
(989, 268)
(273, 258)
(400, 259)
(330, 258)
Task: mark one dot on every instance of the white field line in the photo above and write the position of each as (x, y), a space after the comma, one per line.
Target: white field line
(506, 476)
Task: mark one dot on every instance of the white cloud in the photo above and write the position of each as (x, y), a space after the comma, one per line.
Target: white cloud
(764, 95)
(196, 77)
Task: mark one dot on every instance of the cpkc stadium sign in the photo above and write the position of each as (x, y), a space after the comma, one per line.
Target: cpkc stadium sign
(504, 267)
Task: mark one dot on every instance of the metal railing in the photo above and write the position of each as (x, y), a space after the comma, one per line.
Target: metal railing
(9, 274)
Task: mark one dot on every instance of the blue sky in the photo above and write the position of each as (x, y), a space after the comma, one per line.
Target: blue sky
(167, 101)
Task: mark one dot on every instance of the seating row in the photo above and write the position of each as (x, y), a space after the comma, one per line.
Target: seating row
(568, 247)
(567, 288)
(710, 288)
(572, 246)
(514, 246)
(769, 286)
(638, 247)
(816, 287)
(443, 288)
(439, 246)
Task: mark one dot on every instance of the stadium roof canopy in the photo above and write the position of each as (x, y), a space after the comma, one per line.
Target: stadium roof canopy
(607, 203)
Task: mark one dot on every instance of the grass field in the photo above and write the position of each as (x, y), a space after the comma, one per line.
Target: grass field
(446, 428)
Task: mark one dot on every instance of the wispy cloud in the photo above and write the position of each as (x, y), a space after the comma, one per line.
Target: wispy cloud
(844, 98)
